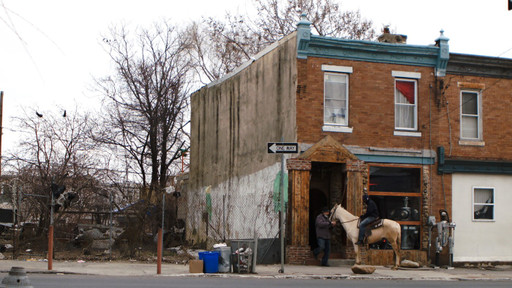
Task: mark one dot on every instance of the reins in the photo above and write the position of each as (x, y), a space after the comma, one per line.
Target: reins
(349, 221)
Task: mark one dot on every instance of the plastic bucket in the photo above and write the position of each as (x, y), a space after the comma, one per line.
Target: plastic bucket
(210, 260)
(224, 258)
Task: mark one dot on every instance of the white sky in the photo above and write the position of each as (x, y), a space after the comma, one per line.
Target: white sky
(53, 64)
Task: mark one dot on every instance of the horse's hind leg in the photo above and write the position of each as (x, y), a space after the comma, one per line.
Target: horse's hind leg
(396, 254)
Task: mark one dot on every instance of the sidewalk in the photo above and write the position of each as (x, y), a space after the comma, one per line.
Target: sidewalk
(262, 271)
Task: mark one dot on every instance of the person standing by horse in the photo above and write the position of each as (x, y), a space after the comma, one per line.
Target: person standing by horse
(323, 235)
(372, 213)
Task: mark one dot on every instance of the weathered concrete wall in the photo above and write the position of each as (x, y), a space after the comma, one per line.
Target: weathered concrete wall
(232, 121)
(236, 215)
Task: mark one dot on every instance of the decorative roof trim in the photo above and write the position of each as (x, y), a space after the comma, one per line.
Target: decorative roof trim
(318, 46)
(466, 64)
(309, 45)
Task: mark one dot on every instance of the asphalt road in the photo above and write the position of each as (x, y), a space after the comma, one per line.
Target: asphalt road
(82, 281)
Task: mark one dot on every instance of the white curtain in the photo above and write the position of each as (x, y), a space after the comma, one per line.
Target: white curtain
(404, 112)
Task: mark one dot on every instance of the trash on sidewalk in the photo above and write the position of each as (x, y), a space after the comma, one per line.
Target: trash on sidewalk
(242, 260)
(195, 266)
(211, 261)
(224, 258)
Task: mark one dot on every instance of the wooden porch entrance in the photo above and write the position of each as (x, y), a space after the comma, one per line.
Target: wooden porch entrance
(348, 176)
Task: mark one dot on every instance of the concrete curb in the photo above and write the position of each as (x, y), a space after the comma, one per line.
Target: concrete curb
(267, 272)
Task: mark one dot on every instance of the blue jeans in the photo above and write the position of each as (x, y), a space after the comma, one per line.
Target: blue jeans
(362, 226)
(323, 245)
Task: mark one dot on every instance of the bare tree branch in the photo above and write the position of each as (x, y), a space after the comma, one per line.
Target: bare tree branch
(219, 46)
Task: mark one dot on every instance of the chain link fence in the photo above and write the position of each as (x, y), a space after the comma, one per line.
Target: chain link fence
(241, 210)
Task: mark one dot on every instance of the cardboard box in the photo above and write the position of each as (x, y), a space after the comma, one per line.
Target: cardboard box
(195, 266)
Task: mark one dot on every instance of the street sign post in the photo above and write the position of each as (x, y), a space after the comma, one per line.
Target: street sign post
(282, 147)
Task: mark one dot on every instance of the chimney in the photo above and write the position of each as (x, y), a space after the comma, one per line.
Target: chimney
(387, 37)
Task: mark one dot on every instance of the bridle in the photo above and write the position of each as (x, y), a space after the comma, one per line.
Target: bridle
(332, 215)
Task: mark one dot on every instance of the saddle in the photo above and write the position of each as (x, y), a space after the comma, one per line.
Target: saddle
(372, 225)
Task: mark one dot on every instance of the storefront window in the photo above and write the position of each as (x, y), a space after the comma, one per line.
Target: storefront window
(396, 191)
(394, 179)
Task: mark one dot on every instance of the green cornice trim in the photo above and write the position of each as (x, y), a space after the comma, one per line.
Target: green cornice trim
(318, 46)
(416, 55)
(448, 166)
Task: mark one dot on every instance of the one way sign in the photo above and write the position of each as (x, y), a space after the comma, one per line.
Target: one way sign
(279, 147)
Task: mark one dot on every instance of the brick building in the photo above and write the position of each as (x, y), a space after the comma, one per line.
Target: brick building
(415, 127)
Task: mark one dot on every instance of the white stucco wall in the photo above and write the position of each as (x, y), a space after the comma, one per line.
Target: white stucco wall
(478, 240)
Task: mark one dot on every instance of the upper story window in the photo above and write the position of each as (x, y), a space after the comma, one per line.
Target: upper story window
(336, 98)
(406, 108)
(470, 115)
(406, 103)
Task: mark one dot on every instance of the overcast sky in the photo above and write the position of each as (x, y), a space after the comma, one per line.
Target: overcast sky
(48, 61)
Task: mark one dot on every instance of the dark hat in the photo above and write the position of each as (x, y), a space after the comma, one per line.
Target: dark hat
(325, 209)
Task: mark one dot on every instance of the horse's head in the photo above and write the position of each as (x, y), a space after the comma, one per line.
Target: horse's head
(333, 211)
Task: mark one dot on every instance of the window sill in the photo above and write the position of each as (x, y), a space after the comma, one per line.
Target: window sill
(336, 128)
(478, 143)
(484, 220)
(407, 133)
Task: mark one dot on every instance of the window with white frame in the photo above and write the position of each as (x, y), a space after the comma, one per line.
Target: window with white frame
(336, 98)
(406, 108)
(470, 118)
(483, 203)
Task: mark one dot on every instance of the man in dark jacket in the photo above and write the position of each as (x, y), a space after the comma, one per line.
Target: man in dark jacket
(323, 235)
(372, 213)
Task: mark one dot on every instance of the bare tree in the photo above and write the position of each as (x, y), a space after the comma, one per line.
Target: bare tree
(146, 101)
(221, 45)
(54, 149)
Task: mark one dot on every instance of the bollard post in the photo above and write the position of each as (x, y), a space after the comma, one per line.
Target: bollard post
(159, 252)
(50, 248)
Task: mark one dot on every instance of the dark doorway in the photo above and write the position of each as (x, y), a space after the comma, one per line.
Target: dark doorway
(327, 187)
(317, 199)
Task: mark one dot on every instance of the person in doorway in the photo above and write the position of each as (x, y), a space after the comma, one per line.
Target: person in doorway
(372, 213)
(323, 235)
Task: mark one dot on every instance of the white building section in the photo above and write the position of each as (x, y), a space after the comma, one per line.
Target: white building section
(483, 215)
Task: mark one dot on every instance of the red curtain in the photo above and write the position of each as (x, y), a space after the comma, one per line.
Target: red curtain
(407, 89)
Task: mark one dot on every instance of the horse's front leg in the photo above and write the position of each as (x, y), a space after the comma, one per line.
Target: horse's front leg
(358, 256)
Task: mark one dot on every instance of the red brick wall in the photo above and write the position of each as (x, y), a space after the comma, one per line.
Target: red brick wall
(371, 115)
(298, 254)
(496, 113)
(371, 103)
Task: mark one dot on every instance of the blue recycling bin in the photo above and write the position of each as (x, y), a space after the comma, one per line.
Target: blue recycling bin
(210, 260)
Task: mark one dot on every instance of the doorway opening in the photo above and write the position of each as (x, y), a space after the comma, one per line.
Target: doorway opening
(327, 187)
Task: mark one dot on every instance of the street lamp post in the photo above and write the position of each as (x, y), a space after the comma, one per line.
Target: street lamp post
(50, 235)
(160, 245)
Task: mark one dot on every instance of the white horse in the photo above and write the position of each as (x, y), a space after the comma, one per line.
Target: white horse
(389, 230)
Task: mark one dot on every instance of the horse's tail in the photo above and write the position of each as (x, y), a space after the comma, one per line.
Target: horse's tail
(399, 237)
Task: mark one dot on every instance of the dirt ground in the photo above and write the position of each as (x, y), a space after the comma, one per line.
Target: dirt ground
(37, 251)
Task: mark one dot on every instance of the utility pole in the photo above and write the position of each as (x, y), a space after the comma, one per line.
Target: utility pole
(1, 125)
(50, 235)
